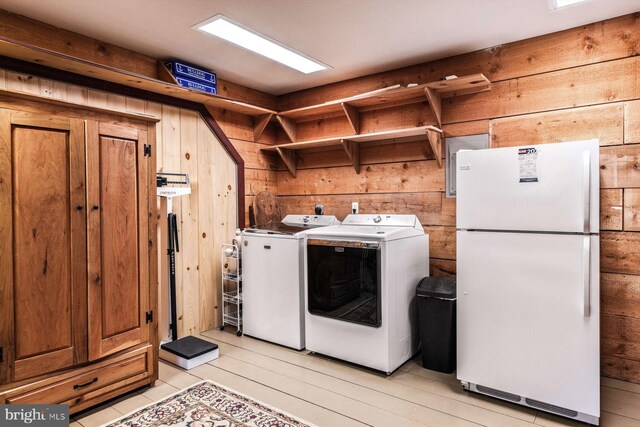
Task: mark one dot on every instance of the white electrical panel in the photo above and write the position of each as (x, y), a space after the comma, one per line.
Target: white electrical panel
(452, 146)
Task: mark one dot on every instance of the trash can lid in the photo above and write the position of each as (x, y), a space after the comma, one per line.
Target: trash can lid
(437, 287)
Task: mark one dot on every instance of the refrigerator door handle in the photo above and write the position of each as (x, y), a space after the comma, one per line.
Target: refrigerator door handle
(586, 275)
(586, 191)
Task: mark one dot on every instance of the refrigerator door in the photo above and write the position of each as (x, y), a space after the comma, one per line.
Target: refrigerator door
(272, 289)
(528, 316)
(551, 187)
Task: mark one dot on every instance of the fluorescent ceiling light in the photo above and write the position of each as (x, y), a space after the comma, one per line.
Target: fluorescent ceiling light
(223, 27)
(557, 4)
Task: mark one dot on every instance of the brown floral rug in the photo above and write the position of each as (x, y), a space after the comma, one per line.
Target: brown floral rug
(208, 404)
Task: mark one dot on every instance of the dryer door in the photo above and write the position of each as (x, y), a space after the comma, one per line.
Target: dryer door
(344, 281)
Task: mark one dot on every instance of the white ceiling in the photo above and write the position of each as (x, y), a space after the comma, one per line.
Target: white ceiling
(354, 37)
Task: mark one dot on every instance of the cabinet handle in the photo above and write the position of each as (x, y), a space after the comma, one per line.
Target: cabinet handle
(77, 386)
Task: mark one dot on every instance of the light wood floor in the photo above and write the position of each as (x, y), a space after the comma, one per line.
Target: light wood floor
(330, 393)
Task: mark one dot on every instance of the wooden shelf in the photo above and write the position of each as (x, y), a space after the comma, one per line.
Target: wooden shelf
(26, 52)
(351, 107)
(432, 92)
(63, 103)
(351, 144)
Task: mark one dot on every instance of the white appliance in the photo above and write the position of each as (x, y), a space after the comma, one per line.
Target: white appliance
(528, 314)
(272, 279)
(360, 289)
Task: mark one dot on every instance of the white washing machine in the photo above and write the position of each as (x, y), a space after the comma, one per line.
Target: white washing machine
(360, 289)
(273, 279)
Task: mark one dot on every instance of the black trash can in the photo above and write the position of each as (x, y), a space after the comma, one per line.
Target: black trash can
(437, 318)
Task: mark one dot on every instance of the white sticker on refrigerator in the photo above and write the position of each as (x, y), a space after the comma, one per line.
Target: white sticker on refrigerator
(527, 160)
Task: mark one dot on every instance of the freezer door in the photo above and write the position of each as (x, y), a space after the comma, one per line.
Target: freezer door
(524, 326)
(272, 289)
(551, 187)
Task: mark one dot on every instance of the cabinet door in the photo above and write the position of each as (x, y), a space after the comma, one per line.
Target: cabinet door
(42, 244)
(118, 236)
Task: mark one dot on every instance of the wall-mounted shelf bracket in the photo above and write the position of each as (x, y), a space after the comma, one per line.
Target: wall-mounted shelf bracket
(434, 136)
(352, 148)
(259, 124)
(352, 116)
(435, 103)
(289, 127)
(288, 158)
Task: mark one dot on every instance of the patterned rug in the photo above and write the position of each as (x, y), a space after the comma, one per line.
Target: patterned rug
(208, 404)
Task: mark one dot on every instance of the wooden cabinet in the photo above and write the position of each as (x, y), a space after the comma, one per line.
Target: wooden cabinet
(77, 209)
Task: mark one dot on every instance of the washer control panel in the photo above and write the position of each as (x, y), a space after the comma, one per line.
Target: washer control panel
(310, 220)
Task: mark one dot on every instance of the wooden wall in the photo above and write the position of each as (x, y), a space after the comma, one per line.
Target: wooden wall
(206, 219)
(576, 84)
(260, 168)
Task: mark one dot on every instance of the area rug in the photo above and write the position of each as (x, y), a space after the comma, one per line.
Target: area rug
(208, 404)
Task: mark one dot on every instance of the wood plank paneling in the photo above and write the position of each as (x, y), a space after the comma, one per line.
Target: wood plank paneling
(442, 242)
(632, 122)
(620, 294)
(394, 117)
(442, 268)
(603, 122)
(188, 313)
(256, 180)
(599, 83)
(73, 44)
(620, 368)
(22, 83)
(620, 252)
(253, 157)
(370, 153)
(611, 210)
(632, 209)
(429, 207)
(207, 274)
(619, 336)
(620, 166)
(466, 128)
(404, 177)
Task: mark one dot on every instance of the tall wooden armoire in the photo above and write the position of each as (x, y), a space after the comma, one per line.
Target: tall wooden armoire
(78, 259)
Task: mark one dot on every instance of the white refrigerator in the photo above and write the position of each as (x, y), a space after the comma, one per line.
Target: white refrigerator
(528, 314)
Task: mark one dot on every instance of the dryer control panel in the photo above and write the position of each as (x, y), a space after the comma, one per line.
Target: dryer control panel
(383, 220)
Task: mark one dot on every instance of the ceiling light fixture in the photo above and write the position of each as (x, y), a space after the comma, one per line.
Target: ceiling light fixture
(557, 4)
(223, 27)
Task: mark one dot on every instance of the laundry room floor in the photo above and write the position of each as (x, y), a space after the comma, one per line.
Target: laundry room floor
(331, 393)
